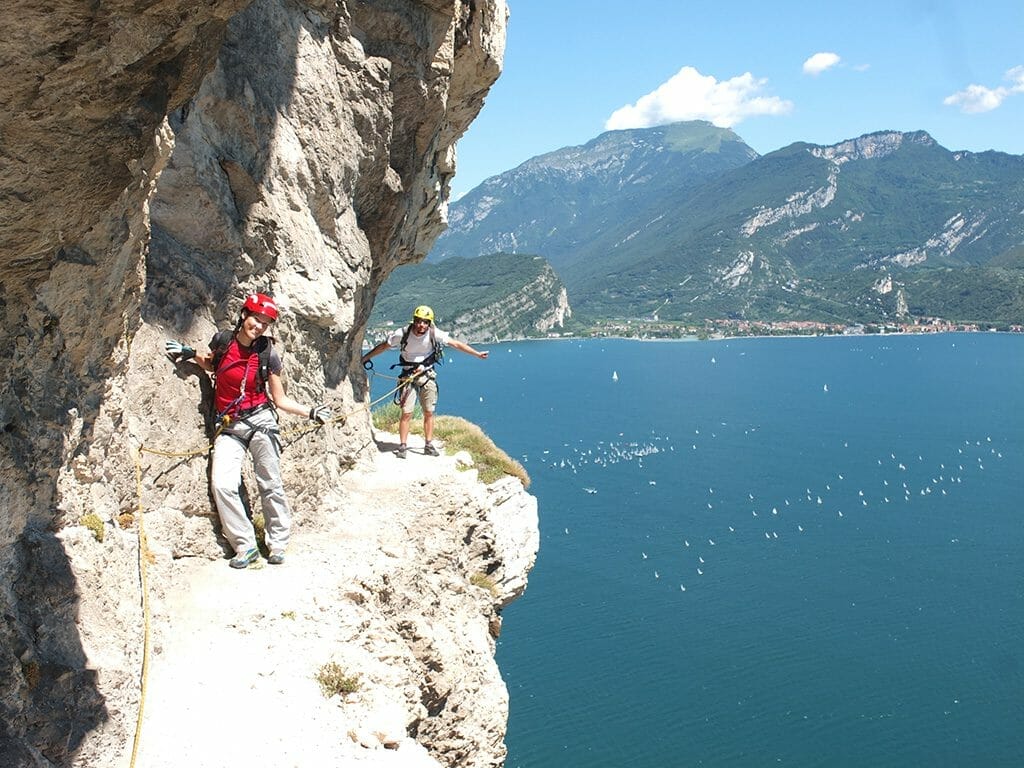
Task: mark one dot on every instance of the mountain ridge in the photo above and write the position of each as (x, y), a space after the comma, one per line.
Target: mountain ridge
(803, 232)
(574, 190)
(502, 296)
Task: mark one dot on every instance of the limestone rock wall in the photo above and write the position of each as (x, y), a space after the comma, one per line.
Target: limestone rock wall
(158, 160)
(541, 306)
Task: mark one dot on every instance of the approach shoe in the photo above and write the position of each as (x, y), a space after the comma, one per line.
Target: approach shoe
(400, 451)
(430, 450)
(276, 558)
(245, 559)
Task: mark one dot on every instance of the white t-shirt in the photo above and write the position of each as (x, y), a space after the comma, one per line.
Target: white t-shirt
(417, 348)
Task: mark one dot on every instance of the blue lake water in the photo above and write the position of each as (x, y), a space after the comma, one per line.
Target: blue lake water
(802, 552)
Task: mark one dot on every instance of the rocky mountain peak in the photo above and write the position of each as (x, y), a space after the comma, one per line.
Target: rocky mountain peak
(872, 145)
(572, 192)
(688, 223)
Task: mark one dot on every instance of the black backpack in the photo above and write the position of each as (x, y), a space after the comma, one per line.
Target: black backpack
(434, 358)
(263, 346)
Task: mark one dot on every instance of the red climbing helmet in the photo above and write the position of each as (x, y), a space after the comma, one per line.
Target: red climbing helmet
(261, 303)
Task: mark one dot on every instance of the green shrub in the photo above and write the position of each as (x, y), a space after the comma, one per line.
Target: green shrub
(385, 417)
(94, 524)
(484, 581)
(491, 462)
(334, 682)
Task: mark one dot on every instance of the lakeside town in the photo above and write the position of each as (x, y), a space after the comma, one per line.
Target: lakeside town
(727, 328)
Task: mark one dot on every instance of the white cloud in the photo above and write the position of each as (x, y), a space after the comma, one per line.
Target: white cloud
(980, 98)
(819, 62)
(976, 98)
(689, 95)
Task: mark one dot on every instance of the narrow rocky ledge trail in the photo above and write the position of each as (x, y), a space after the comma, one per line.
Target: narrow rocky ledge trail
(235, 653)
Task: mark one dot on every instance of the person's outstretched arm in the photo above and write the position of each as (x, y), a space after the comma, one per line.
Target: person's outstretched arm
(464, 347)
(376, 351)
(275, 388)
(179, 353)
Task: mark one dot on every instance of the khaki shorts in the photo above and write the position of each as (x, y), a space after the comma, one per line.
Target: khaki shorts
(425, 387)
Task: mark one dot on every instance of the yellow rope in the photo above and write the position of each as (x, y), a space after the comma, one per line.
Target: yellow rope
(172, 455)
(340, 418)
(143, 560)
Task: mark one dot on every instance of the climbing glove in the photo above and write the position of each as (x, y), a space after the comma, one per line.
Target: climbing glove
(178, 352)
(321, 414)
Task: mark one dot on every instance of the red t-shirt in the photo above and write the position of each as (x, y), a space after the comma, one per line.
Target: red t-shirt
(239, 362)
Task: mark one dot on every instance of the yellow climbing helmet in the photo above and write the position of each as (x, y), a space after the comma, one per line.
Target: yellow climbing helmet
(423, 312)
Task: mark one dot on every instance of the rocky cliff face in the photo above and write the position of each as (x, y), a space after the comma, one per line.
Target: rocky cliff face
(160, 160)
(540, 306)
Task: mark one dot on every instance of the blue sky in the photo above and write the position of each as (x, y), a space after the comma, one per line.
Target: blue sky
(773, 72)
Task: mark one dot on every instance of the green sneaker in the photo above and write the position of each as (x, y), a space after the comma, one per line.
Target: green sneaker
(244, 560)
(276, 558)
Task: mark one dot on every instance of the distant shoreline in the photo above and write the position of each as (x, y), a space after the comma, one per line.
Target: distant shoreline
(950, 332)
(923, 334)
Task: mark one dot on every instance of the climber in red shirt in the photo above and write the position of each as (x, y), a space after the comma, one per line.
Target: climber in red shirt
(248, 392)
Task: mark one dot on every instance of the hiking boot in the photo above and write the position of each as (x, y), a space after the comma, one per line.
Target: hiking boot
(276, 558)
(430, 450)
(400, 451)
(245, 559)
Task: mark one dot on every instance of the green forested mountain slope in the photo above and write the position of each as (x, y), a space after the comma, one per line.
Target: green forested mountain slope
(820, 233)
(882, 227)
(498, 296)
(559, 203)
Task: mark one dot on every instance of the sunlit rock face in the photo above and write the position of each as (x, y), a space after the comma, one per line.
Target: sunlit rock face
(158, 160)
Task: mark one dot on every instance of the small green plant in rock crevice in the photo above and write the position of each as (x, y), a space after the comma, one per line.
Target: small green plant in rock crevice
(94, 524)
(484, 581)
(260, 528)
(334, 681)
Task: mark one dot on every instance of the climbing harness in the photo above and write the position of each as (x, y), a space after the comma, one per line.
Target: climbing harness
(414, 376)
(220, 343)
(436, 357)
(242, 418)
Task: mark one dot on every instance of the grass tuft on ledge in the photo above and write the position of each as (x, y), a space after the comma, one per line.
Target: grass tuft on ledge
(483, 581)
(457, 434)
(335, 681)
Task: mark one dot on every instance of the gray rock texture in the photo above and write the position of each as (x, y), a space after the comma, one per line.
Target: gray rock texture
(158, 161)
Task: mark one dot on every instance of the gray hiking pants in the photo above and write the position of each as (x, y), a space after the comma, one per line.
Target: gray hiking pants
(226, 479)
